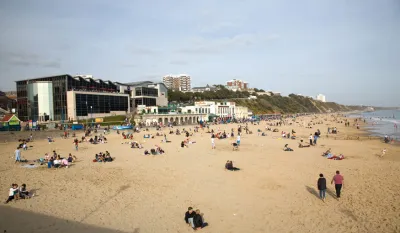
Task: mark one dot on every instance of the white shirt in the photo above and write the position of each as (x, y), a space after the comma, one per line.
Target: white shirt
(57, 161)
(212, 140)
(12, 190)
(310, 137)
(238, 138)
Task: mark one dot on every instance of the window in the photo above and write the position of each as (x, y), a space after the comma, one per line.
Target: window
(87, 104)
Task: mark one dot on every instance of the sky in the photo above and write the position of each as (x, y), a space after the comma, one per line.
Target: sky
(348, 50)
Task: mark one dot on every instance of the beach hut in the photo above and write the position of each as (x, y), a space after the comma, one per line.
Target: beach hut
(10, 122)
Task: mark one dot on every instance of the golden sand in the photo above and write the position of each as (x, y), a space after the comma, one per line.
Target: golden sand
(275, 191)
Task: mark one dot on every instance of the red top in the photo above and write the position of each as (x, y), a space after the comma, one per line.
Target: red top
(338, 179)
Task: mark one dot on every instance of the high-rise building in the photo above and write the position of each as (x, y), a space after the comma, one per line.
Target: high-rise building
(236, 84)
(321, 97)
(180, 82)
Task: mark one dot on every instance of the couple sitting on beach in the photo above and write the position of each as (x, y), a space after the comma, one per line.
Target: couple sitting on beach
(136, 145)
(195, 219)
(57, 161)
(103, 157)
(155, 151)
(17, 193)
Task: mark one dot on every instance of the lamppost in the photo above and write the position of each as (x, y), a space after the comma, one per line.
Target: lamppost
(86, 113)
(91, 112)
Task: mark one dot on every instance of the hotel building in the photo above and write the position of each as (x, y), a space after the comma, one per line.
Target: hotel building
(180, 82)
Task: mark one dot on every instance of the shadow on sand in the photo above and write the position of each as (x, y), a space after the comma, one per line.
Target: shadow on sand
(315, 192)
(15, 220)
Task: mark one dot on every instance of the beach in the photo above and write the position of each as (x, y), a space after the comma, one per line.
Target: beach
(275, 190)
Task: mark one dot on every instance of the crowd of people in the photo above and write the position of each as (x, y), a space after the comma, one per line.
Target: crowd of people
(103, 157)
(194, 219)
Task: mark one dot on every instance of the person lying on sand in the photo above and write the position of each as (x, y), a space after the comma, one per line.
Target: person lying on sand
(336, 157)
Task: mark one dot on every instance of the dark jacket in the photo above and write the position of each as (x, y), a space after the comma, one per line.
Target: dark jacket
(321, 183)
(198, 221)
(189, 215)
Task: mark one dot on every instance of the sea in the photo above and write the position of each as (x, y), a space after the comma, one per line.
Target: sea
(382, 122)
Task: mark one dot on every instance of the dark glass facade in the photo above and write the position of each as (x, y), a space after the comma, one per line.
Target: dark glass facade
(26, 108)
(88, 84)
(87, 104)
(145, 101)
(145, 91)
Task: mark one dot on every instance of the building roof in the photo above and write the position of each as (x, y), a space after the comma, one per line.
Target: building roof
(86, 78)
(138, 83)
(7, 117)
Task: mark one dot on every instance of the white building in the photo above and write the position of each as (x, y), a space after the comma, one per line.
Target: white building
(242, 112)
(321, 98)
(181, 82)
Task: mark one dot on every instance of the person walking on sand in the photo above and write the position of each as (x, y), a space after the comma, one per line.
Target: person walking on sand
(76, 142)
(322, 187)
(17, 155)
(338, 180)
(311, 139)
(212, 142)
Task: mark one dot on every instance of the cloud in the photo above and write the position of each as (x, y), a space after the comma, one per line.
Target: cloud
(29, 59)
(178, 62)
(213, 46)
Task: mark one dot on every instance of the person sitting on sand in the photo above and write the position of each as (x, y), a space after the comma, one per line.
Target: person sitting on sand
(107, 157)
(301, 145)
(189, 215)
(57, 162)
(146, 152)
(49, 139)
(198, 221)
(229, 166)
(286, 148)
(13, 193)
(23, 193)
(326, 152)
(159, 150)
(71, 158)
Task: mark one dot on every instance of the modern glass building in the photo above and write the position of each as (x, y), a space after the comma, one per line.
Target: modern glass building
(40, 99)
(46, 97)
